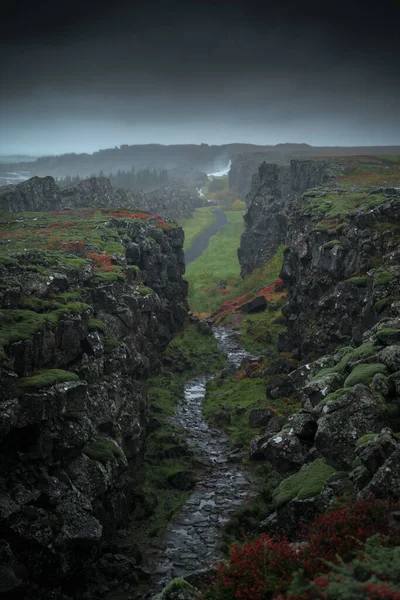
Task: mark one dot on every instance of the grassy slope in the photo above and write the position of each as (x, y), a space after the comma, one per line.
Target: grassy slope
(202, 218)
(218, 263)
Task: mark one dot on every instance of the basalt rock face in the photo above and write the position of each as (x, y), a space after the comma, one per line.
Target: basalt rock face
(72, 446)
(171, 201)
(273, 191)
(339, 270)
(43, 194)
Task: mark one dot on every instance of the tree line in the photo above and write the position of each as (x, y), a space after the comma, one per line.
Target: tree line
(143, 179)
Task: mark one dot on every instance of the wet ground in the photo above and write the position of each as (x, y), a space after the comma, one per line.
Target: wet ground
(193, 540)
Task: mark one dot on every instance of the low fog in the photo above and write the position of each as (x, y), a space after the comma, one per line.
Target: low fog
(176, 73)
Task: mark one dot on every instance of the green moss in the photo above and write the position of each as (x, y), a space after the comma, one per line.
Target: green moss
(331, 244)
(144, 290)
(382, 304)
(19, 325)
(333, 396)
(306, 483)
(38, 305)
(110, 344)
(108, 276)
(364, 439)
(96, 325)
(359, 280)
(175, 589)
(103, 450)
(384, 278)
(364, 373)
(388, 336)
(45, 378)
(350, 355)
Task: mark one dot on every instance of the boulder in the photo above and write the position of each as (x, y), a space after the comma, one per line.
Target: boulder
(343, 421)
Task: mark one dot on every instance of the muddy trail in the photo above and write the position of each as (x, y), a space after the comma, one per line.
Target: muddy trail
(193, 541)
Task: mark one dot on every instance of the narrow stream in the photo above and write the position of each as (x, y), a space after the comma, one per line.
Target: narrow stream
(192, 541)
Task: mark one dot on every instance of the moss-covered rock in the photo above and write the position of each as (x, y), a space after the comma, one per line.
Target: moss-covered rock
(178, 589)
(306, 483)
(388, 336)
(103, 449)
(45, 378)
(364, 374)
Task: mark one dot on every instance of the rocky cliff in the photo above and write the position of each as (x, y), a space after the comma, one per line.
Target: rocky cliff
(273, 190)
(342, 270)
(340, 265)
(43, 194)
(88, 299)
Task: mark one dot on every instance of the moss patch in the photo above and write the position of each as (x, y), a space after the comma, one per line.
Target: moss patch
(144, 290)
(359, 280)
(103, 450)
(45, 378)
(306, 483)
(364, 374)
(96, 325)
(384, 278)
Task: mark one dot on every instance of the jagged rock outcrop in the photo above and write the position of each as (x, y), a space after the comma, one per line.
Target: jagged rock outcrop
(341, 272)
(273, 190)
(80, 332)
(43, 194)
(171, 201)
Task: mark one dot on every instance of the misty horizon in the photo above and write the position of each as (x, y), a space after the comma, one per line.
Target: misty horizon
(192, 73)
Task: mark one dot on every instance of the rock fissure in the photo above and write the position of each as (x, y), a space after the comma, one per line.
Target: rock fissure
(193, 540)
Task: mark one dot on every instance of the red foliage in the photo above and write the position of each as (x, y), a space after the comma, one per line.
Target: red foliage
(258, 568)
(380, 591)
(102, 262)
(342, 532)
(270, 293)
(264, 567)
(125, 213)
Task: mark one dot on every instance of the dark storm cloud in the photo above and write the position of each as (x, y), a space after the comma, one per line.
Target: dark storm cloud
(214, 72)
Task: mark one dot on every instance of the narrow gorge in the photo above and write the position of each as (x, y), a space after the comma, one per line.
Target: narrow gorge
(140, 439)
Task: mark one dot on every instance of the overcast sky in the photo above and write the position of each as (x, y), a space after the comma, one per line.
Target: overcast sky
(78, 77)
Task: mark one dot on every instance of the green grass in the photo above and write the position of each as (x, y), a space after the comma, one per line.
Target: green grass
(202, 218)
(223, 395)
(45, 378)
(305, 484)
(218, 262)
(103, 450)
(334, 205)
(260, 331)
(19, 325)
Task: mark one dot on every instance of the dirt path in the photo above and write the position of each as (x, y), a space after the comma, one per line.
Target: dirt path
(201, 242)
